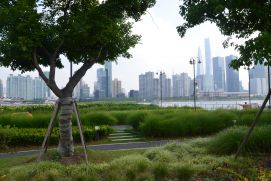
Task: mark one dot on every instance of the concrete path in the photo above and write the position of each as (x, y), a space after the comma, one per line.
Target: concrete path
(116, 146)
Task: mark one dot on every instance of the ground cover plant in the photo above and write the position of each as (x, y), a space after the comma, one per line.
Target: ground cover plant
(188, 160)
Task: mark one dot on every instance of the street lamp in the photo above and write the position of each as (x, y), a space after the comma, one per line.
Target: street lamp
(193, 62)
(249, 90)
(161, 86)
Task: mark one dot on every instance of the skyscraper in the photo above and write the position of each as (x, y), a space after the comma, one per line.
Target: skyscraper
(30, 88)
(258, 80)
(181, 84)
(1, 89)
(84, 91)
(149, 87)
(219, 73)
(25, 87)
(232, 76)
(200, 70)
(101, 86)
(116, 87)
(166, 86)
(209, 82)
(108, 71)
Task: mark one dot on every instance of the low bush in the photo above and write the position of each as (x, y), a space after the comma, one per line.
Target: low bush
(160, 155)
(98, 118)
(228, 141)
(31, 136)
(136, 118)
(120, 116)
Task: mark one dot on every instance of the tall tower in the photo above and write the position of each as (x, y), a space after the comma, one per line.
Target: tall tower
(108, 71)
(209, 82)
(200, 70)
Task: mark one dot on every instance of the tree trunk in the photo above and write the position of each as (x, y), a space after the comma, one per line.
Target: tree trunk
(65, 147)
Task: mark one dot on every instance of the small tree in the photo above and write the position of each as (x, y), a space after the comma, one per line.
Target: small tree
(246, 19)
(35, 33)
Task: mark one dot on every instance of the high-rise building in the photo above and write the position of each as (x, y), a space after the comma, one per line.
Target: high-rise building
(1, 89)
(149, 87)
(133, 94)
(84, 91)
(232, 76)
(258, 80)
(116, 88)
(101, 86)
(219, 73)
(181, 84)
(258, 86)
(200, 70)
(30, 88)
(108, 72)
(81, 90)
(209, 82)
(166, 86)
(25, 87)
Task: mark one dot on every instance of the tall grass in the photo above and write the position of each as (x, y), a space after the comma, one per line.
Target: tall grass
(228, 141)
(186, 123)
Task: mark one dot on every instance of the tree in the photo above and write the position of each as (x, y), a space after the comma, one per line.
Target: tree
(245, 19)
(35, 33)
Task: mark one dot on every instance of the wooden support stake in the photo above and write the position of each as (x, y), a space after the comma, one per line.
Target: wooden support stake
(49, 130)
(80, 129)
(253, 125)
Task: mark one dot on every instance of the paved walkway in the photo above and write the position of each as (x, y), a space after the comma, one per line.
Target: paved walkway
(116, 146)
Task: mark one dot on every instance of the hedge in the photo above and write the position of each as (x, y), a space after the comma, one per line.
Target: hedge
(32, 136)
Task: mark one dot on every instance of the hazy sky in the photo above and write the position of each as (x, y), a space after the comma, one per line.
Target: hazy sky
(160, 49)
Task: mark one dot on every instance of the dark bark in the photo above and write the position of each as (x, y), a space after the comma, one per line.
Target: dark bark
(65, 146)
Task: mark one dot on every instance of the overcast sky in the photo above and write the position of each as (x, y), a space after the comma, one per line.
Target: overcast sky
(160, 49)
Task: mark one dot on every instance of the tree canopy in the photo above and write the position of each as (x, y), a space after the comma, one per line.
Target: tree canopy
(246, 19)
(37, 32)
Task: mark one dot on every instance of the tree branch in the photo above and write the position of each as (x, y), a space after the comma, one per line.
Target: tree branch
(77, 76)
(51, 85)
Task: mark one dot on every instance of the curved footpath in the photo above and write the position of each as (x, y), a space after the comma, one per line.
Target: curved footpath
(115, 146)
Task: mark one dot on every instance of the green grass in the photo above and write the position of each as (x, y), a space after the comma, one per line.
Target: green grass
(186, 161)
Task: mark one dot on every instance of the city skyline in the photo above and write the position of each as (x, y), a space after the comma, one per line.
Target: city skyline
(161, 48)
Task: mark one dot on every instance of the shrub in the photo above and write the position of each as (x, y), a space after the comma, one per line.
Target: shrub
(32, 136)
(160, 155)
(98, 118)
(228, 141)
(120, 116)
(136, 118)
(183, 172)
(128, 167)
(160, 171)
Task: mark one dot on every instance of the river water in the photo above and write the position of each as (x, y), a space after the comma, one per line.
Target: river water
(212, 105)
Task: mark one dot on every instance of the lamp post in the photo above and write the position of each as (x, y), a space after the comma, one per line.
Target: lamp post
(249, 98)
(193, 62)
(161, 87)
